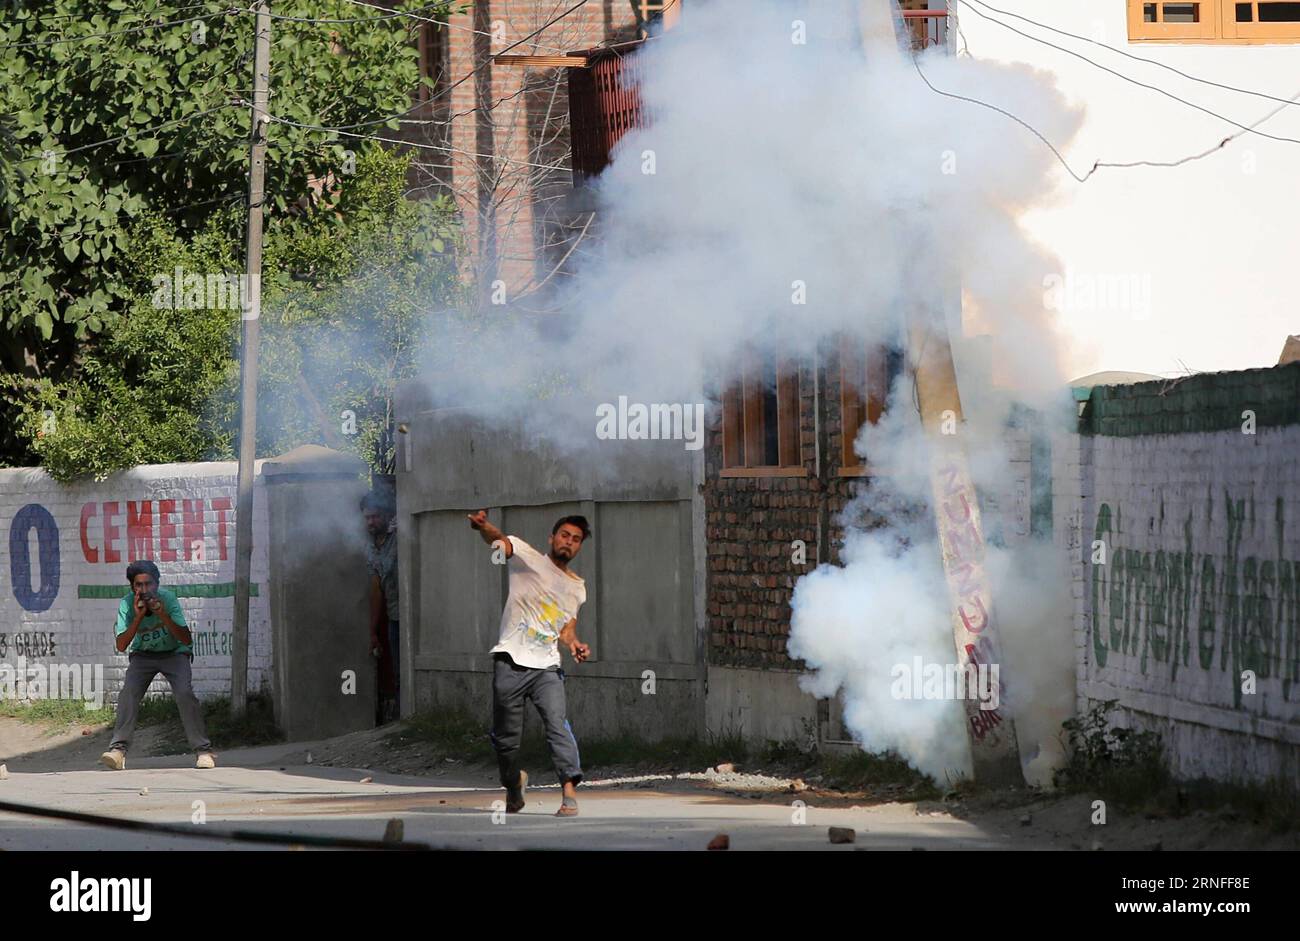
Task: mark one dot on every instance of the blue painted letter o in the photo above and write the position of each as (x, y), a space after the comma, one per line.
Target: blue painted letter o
(20, 562)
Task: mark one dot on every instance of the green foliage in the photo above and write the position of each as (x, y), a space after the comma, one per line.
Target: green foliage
(1125, 764)
(332, 357)
(255, 726)
(346, 295)
(155, 387)
(167, 88)
(55, 715)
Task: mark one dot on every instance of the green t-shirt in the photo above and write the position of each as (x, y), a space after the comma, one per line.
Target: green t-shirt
(153, 636)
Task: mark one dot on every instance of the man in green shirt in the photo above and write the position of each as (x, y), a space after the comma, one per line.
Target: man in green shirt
(151, 626)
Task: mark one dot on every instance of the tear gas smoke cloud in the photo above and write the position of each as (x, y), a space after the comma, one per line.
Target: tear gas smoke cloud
(777, 161)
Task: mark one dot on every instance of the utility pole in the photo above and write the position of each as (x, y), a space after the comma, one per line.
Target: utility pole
(252, 312)
(994, 749)
(995, 752)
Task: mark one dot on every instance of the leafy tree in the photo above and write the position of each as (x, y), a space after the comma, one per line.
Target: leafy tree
(120, 112)
(8, 154)
(350, 296)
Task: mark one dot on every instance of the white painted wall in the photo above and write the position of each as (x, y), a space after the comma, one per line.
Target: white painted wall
(1214, 239)
(56, 623)
(1168, 648)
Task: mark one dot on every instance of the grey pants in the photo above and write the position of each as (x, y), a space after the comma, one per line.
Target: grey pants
(140, 671)
(512, 686)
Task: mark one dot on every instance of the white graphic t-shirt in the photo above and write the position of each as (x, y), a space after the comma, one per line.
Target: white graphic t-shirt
(543, 598)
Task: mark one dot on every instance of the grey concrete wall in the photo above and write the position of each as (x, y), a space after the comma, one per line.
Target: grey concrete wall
(59, 592)
(319, 594)
(642, 568)
(761, 705)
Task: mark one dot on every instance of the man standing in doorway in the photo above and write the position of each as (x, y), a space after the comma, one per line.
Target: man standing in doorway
(151, 625)
(541, 615)
(381, 563)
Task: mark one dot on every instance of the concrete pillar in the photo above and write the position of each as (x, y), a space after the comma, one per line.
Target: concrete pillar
(319, 594)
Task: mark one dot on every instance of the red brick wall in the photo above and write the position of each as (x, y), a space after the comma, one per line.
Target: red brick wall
(487, 131)
(751, 522)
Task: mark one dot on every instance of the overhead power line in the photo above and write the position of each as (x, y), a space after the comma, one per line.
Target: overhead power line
(127, 136)
(438, 94)
(421, 146)
(1155, 88)
(1136, 58)
(1243, 128)
(120, 32)
(387, 15)
(992, 107)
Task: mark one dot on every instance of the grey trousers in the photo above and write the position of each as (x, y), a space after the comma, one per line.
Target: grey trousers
(512, 686)
(140, 671)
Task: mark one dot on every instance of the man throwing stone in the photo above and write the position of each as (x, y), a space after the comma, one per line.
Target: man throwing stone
(540, 616)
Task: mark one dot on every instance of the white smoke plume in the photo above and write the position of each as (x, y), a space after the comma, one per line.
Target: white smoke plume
(778, 161)
(784, 152)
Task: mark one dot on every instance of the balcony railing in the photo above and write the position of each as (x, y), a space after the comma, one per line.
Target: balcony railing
(604, 103)
(925, 28)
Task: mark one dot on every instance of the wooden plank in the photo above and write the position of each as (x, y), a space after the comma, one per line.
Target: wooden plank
(768, 471)
(755, 432)
(877, 383)
(787, 411)
(542, 62)
(733, 423)
(852, 382)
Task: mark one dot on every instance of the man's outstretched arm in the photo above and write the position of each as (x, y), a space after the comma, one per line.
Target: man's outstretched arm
(491, 535)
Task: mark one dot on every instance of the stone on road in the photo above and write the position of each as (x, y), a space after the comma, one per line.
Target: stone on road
(274, 795)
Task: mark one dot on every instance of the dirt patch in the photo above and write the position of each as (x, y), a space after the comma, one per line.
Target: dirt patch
(382, 750)
(34, 747)
(1067, 821)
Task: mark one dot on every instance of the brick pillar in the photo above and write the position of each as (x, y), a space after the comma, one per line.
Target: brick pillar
(505, 118)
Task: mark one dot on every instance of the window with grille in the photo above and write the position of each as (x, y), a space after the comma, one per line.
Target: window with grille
(760, 418)
(866, 374)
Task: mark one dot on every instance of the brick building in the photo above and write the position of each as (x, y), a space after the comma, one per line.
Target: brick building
(494, 133)
(766, 487)
(494, 130)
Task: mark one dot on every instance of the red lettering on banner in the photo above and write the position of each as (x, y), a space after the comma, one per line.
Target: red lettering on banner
(984, 615)
(166, 530)
(221, 505)
(88, 552)
(192, 514)
(979, 653)
(964, 542)
(967, 577)
(984, 720)
(110, 533)
(139, 529)
(950, 485)
(965, 507)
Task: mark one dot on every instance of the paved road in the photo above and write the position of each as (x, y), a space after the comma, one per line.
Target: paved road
(258, 793)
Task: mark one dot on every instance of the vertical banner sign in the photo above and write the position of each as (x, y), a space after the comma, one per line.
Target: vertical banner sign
(994, 750)
(995, 754)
